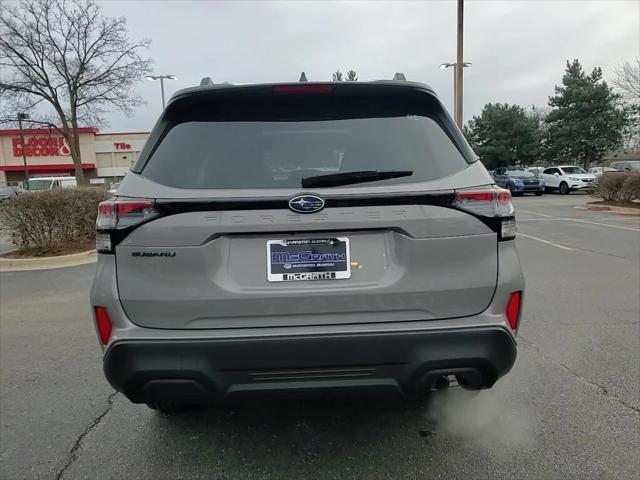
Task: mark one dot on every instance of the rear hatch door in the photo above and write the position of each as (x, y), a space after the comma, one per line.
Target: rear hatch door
(231, 248)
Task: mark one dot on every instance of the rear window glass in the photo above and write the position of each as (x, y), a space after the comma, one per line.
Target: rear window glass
(573, 170)
(635, 166)
(279, 152)
(520, 173)
(39, 184)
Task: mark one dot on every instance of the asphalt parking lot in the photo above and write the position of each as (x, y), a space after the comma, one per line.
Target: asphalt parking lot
(570, 408)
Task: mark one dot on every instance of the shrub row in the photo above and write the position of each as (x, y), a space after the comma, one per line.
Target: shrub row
(51, 218)
(618, 187)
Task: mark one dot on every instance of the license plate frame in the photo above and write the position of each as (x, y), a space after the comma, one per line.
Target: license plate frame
(308, 259)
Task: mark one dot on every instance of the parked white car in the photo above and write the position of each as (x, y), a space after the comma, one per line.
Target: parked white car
(536, 170)
(597, 171)
(626, 166)
(566, 178)
(49, 183)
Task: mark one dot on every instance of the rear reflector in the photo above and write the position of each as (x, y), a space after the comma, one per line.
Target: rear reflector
(513, 309)
(301, 89)
(103, 323)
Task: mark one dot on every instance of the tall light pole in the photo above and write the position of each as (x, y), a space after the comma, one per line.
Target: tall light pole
(459, 61)
(161, 78)
(21, 117)
(457, 97)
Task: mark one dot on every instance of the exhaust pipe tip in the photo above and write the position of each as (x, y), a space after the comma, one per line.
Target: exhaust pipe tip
(441, 383)
(443, 379)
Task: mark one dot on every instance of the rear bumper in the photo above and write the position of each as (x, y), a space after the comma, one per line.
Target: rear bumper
(528, 188)
(208, 370)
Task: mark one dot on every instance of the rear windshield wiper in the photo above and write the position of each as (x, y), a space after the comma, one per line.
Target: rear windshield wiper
(350, 178)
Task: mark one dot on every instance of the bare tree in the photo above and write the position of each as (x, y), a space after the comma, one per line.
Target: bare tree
(352, 76)
(67, 64)
(336, 76)
(628, 84)
(628, 80)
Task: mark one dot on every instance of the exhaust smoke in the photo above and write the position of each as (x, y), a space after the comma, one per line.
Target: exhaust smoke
(484, 418)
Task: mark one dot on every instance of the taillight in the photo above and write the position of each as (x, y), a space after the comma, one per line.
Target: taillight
(513, 309)
(490, 203)
(120, 216)
(103, 322)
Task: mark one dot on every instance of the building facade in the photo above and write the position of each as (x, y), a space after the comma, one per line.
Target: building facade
(106, 157)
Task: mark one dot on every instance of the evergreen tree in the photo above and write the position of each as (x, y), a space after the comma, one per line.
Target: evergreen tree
(586, 118)
(504, 135)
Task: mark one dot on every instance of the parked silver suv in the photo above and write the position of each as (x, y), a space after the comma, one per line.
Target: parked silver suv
(303, 237)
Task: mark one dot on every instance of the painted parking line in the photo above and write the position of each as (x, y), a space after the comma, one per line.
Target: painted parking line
(542, 240)
(539, 219)
(578, 220)
(604, 224)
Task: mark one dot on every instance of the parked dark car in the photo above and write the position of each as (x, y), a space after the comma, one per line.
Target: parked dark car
(519, 181)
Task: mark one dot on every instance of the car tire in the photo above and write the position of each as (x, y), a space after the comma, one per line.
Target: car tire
(564, 188)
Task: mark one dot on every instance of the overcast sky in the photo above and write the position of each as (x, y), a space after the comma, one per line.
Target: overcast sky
(518, 48)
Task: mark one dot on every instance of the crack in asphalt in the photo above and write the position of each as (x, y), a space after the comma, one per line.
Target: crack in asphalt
(598, 252)
(604, 390)
(72, 457)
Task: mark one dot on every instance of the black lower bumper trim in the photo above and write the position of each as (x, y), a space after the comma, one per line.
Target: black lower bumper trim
(199, 371)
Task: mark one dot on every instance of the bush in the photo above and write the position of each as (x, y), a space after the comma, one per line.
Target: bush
(631, 188)
(51, 219)
(609, 185)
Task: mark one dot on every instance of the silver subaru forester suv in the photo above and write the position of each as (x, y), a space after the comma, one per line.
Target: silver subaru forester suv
(305, 237)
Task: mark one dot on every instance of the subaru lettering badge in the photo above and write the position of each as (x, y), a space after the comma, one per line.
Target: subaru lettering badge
(306, 203)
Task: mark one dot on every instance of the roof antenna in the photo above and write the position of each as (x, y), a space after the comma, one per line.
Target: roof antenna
(400, 76)
(303, 78)
(206, 81)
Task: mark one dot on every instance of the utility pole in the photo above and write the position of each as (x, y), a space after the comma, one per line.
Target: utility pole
(459, 62)
(24, 116)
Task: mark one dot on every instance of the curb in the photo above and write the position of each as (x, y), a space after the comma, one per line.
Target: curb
(45, 263)
(609, 209)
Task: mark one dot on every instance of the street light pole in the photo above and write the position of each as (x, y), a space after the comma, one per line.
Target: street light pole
(161, 78)
(24, 116)
(455, 91)
(457, 98)
(459, 61)
(162, 91)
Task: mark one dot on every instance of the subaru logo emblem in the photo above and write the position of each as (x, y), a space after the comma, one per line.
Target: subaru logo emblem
(306, 203)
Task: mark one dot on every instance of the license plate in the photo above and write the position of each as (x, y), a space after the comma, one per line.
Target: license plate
(308, 259)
